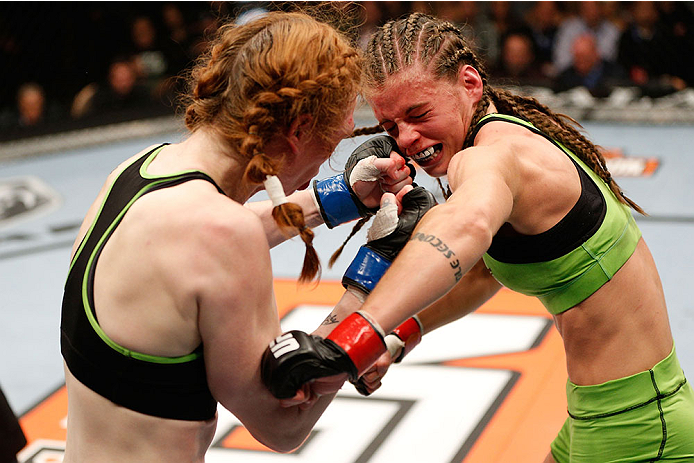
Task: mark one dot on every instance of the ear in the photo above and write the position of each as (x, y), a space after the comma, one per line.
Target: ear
(297, 133)
(471, 81)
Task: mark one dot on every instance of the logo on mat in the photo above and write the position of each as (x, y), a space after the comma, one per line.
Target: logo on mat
(27, 197)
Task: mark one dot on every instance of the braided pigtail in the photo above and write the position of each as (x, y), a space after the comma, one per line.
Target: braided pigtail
(357, 226)
(367, 131)
(565, 130)
(288, 216)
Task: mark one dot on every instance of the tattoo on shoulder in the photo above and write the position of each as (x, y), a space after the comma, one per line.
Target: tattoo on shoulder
(440, 246)
(330, 320)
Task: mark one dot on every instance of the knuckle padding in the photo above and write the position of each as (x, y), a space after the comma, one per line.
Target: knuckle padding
(314, 358)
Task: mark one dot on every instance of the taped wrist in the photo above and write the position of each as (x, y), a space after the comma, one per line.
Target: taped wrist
(336, 201)
(362, 339)
(408, 335)
(366, 270)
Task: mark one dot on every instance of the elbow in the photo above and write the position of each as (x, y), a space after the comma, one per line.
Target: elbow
(287, 440)
(480, 231)
(473, 231)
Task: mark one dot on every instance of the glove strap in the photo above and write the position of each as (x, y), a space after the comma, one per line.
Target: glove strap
(410, 333)
(365, 270)
(362, 340)
(335, 201)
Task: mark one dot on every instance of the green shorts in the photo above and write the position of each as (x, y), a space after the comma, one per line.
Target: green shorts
(645, 417)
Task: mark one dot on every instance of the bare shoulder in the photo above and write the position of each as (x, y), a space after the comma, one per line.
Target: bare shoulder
(197, 207)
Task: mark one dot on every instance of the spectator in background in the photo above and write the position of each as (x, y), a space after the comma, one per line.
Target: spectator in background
(543, 19)
(616, 13)
(32, 109)
(650, 55)
(177, 30)
(155, 58)
(517, 64)
(122, 92)
(590, 19)
(590, 70)
(677, 22)
(31, 103)
(477, 28)
(503, 19)
(646, 53)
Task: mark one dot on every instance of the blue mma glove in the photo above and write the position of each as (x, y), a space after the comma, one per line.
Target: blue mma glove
(335, 197)
(384, 241)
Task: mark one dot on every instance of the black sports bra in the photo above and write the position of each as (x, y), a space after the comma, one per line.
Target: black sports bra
(167, 387)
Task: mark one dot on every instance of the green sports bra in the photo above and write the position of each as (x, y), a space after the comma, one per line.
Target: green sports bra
(572, 260)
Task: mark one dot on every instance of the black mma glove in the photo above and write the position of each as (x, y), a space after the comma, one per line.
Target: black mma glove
(374, 258)
(295, 357)
(335, 197)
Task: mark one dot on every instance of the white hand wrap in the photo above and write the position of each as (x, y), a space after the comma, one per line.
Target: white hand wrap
(385, 221)
(395, 345)
(365, 171)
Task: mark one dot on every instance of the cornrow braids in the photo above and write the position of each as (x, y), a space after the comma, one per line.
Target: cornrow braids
(390, 58)
(407, 45)
(441, 48)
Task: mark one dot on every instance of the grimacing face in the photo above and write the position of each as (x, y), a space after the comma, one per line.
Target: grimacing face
(428, 117)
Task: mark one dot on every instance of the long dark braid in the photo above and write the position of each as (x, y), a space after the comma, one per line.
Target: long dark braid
(440, 47)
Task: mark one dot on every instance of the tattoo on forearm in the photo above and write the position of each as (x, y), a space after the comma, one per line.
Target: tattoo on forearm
(443, 249)
(330, 320)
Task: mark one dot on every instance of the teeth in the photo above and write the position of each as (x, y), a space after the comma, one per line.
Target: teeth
(423, 154)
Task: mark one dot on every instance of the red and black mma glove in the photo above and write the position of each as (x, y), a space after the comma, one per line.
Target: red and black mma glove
(296, 358)
(375, 257)
(404, 338)
(335, 197)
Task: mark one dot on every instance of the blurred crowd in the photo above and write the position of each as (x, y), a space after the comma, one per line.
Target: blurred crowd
(78, 62)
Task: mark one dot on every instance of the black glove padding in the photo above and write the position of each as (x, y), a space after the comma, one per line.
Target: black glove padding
(296, 358)
(374, 258)
(415, 204)
(381, 147)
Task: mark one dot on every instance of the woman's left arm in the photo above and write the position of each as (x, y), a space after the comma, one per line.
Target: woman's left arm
(451, 238)
(274, 234)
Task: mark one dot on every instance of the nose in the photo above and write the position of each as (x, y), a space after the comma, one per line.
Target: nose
(407, 136)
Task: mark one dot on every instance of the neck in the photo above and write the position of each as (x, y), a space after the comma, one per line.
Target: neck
(205, 151)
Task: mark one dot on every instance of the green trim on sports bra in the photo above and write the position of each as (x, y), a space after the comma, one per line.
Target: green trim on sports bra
(564, 282)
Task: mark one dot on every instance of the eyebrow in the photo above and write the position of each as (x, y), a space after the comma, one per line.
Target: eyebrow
(407, 112)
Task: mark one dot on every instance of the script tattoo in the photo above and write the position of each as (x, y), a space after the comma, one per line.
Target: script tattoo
(443, 249)
(330, 320)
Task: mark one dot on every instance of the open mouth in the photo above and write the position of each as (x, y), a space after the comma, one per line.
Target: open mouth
(428, 154)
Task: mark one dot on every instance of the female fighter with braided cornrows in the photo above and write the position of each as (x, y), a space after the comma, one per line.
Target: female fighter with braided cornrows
(534, 208)
(168, 304)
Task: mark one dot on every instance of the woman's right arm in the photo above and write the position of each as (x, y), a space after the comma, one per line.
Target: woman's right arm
(237, 319)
